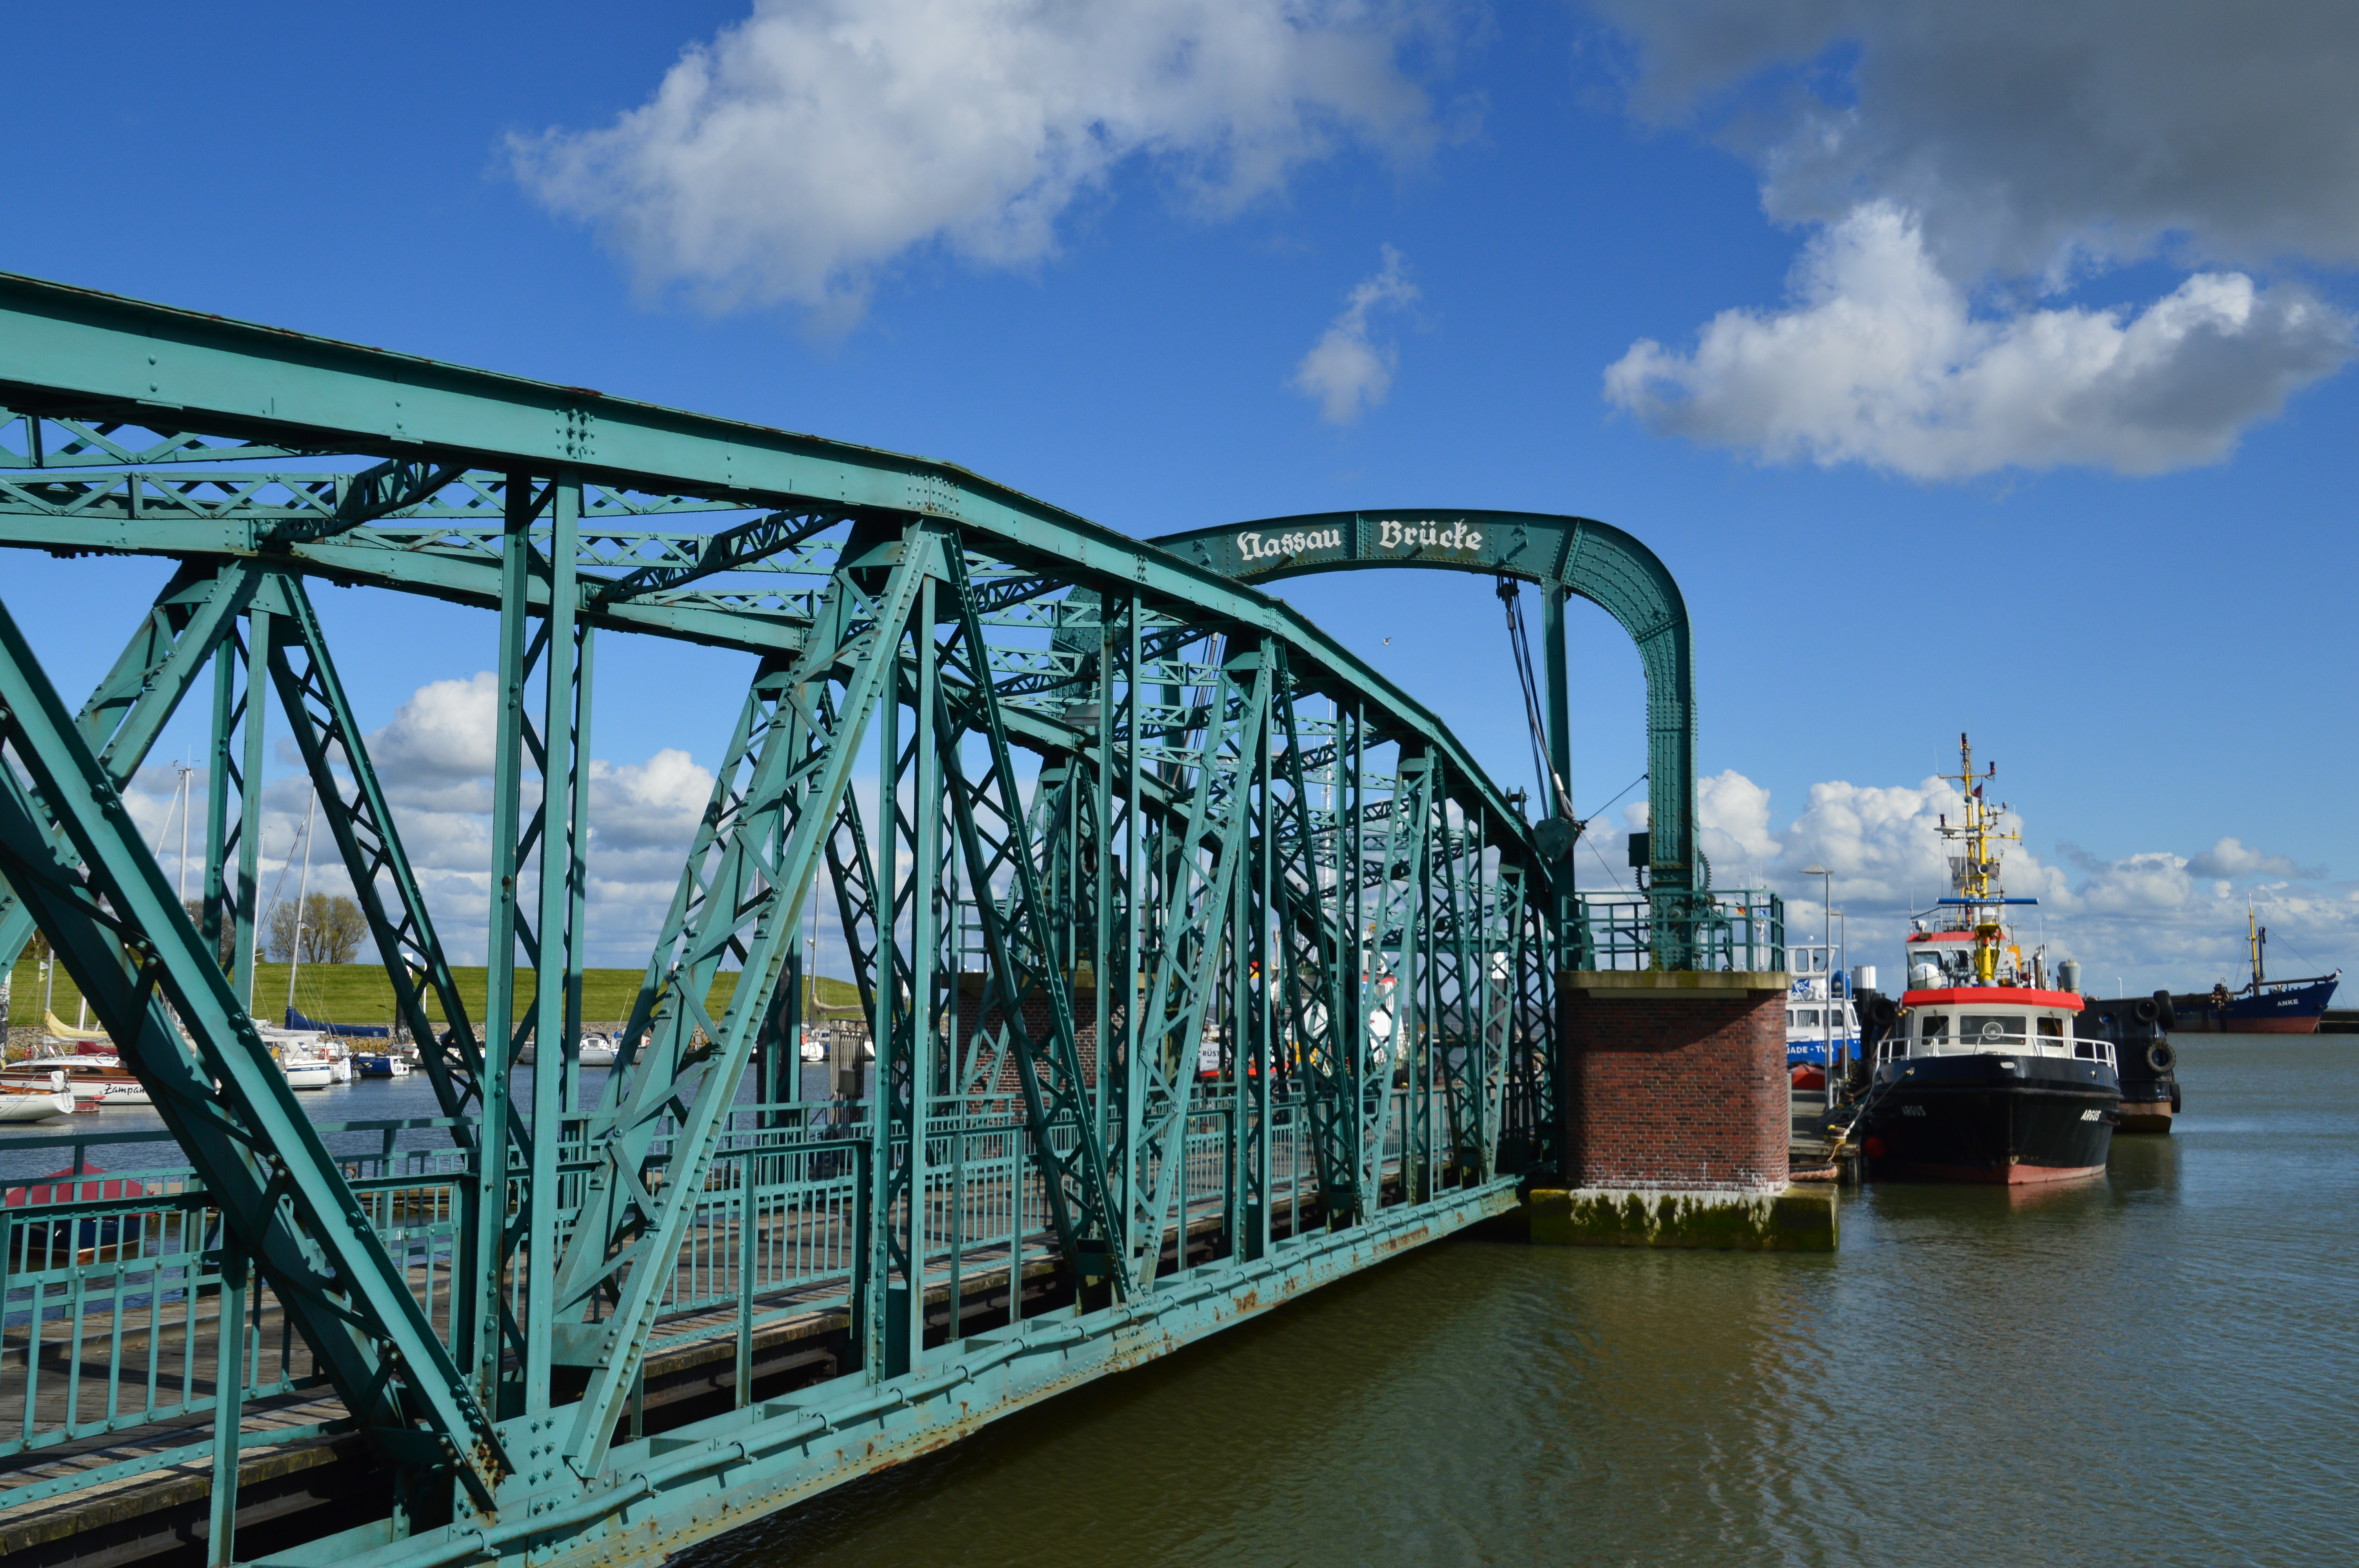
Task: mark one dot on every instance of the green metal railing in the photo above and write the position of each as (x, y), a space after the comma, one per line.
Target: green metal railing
(117, 1320)
(1118, 760)
(114, 1304)
(1736, 929)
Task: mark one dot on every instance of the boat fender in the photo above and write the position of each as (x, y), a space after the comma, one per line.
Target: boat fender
(2165, 1014)
(1873, 1148)
(2174, 1099)
(2160, 1057)
(2145, 1010)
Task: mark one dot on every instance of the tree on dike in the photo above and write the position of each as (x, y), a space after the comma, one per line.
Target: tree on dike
(332, 929)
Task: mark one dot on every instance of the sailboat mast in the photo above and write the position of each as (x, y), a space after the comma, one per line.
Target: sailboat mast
(302, 895)
(186, 773)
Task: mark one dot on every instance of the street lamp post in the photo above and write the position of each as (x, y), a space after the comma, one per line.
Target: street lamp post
(1841, 961)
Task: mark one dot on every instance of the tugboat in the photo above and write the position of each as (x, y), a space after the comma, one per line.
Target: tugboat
(1983, 1078)
(2263, 1006)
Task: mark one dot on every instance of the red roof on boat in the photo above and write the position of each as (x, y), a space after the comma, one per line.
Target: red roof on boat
(1993, 996)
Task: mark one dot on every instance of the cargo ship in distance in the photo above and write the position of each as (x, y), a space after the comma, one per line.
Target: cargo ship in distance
(2263, 1006)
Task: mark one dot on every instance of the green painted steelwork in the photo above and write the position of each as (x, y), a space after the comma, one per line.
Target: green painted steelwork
(133, 951)
(1201, 965)
(1577, 555)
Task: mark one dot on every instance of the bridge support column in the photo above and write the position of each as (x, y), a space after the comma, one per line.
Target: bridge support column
(1676, 1116)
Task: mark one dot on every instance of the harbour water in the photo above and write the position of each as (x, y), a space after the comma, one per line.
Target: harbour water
(2157, 1367)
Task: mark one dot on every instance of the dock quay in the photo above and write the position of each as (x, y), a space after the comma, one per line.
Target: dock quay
(1204, 967)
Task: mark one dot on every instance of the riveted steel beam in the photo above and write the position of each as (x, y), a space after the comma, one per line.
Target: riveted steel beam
(161, 666)
(329, 735)
(1567, 555)
(1196, 869)
(116, 927)
(753, 900)
(1021, 945)
(99, 357)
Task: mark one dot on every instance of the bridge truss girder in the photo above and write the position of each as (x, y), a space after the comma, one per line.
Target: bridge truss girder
(1154, 894)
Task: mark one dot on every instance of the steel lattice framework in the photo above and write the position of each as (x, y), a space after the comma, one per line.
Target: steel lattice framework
(1203, 964)
(1577, 556)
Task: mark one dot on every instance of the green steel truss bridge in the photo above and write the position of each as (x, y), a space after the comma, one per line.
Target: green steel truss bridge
(1203, 965)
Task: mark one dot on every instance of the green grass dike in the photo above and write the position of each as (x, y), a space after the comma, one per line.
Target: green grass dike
(360, 993)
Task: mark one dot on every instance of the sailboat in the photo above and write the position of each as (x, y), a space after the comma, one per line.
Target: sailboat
(58, 1029)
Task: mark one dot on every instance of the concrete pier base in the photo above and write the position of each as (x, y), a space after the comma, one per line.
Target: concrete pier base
(1800, 1220)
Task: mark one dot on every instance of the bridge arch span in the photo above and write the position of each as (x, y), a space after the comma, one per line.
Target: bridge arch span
(1596, 561)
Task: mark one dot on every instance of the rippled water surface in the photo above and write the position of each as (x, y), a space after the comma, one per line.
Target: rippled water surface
(2156, 1368)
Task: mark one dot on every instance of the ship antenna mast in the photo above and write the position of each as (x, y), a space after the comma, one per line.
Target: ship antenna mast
(1977, 877)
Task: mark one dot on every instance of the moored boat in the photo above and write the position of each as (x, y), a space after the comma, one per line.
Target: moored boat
(91, 1074)
(1821, 1019)
(2138, 1029)
(2261, 1006)
(308, 1072)
(28, 1103)
(1986, 1078)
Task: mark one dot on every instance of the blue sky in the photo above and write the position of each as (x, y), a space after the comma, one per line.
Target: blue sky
(1920, 481)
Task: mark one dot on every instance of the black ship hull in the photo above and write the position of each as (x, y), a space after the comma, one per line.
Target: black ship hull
(2138, 1028)
(2005, 1121)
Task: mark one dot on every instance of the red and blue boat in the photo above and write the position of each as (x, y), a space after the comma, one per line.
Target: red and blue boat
(2263, 1006)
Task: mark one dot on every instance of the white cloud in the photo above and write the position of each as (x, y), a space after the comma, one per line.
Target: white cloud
(2151, 918)
(2151, 882)
(2233, 858)
(1345, 371)
(1733, 819)
(1955, 164)
(656, 804)
(440, 744)
(1880, 361)
(809, 144)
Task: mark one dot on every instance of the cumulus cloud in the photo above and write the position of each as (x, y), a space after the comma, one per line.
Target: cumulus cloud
(1346, 373)
(435, 757)
(807, 146)
(1881, 360)
(1958, 164)
(2233, 857)
(2034, 137)
(655, 803)
(2151, 918)
(440, 744)
(1732, 821)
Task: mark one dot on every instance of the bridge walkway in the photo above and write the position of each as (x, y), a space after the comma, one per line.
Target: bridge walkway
(108, 1325)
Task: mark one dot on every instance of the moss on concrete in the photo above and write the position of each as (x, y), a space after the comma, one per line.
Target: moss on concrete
(1799, 1221)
